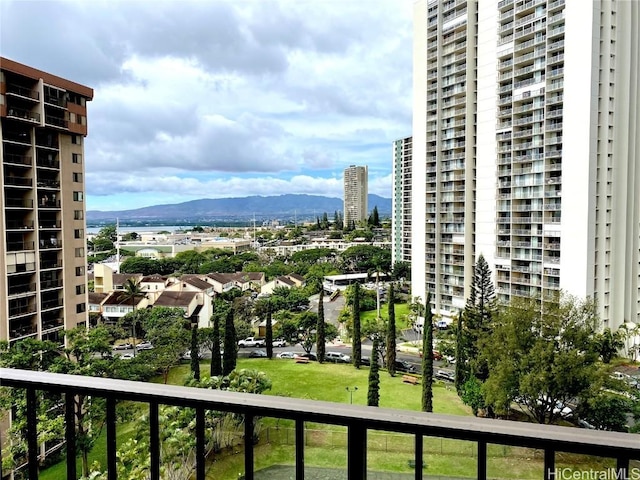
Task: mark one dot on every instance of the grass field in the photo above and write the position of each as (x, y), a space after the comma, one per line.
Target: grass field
(325, 445)
(402, 311)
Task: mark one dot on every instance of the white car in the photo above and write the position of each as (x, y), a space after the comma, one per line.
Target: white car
(337, 357)
(127, 356)
(144, 346)
(286, 355)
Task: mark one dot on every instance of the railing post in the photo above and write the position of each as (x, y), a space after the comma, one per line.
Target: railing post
(418, 456)
(200, 444)
(154, 441)
(356, 452)
(112, 472)
(549, 464)
(248, 446)
(32, 433)
(622, 466)
(482, 460)
(299, 449)
(70, 434)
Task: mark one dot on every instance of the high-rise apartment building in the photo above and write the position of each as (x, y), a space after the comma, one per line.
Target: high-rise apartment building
(526, 150)
(356, 190)
(43, 122)
(401, 201)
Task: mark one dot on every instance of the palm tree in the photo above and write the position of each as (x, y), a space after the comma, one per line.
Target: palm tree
(132, 292)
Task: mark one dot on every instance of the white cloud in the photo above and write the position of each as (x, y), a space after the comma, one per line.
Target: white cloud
(226, 98)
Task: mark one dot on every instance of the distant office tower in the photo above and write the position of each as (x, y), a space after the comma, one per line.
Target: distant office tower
(526, 150)
(43, 121)
(401, 202)
(356, 189)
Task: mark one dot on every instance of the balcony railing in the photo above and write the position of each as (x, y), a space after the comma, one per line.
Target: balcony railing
(23, 114)
(358, 420)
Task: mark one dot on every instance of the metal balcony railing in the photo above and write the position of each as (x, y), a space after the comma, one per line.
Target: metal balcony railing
(358, 420)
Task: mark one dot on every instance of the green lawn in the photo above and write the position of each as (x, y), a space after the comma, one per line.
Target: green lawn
(325, 445)
(402, 311)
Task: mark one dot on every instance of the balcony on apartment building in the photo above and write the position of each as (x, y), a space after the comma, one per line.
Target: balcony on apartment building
(358, 421)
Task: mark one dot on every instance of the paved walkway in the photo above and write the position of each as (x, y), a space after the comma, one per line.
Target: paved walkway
(287, 472)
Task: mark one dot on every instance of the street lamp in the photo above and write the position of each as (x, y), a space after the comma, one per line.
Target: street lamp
(351, 390)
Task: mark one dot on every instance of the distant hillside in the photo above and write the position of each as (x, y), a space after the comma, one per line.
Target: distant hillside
(282, 207)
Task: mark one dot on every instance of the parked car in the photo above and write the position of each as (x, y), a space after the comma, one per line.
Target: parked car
(279, 342)
(123, 346)
(286, 355)
(127, 356)
(402, 366)
(309, 356)
(187, 355)
(445, 375)
(442, 325)
(337, 357)
(365, 361)
(251, 342)
(436, 355)
(257, 354)
(144, 346)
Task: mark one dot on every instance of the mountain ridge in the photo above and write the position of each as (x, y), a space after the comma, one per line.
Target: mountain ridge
(239, 208)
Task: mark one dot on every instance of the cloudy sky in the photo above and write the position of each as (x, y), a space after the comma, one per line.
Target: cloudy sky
(216, 98)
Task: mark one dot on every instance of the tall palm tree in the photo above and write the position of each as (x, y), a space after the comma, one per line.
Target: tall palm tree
(133, 292)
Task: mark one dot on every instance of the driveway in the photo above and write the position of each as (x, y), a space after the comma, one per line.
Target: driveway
(332, 308)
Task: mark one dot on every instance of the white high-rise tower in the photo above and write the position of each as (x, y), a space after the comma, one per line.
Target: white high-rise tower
(525, 150)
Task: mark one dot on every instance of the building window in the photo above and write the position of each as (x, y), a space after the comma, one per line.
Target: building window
(76, 158)
(80, 252)
(80, 289)
(78, 215)
(79, 271)
(78, 233)
(78, 196)
(76, 139)
(77, 177)
(81, 307)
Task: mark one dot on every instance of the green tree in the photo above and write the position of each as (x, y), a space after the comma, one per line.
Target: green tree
(374, 218)
(401, 271)
(478, 312)
(373, 393)
(364, 258)
(132, 293)
(216, 355)
(141, 265)
(269, 334)
(471, 394)
(169, 333)
(337, 221)
(37, 355)
(427, 358)
(230, 354)
(357, 336)
(609, 344)
(541, 355)
(321, 336)
(178, 438)
(195, 352)
(306, 324)
(460, 356)
(391, 334)
(88, 353)
(130, 236)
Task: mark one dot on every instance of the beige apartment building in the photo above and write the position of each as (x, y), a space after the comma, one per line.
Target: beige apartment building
(356, 191)
(43, 122)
